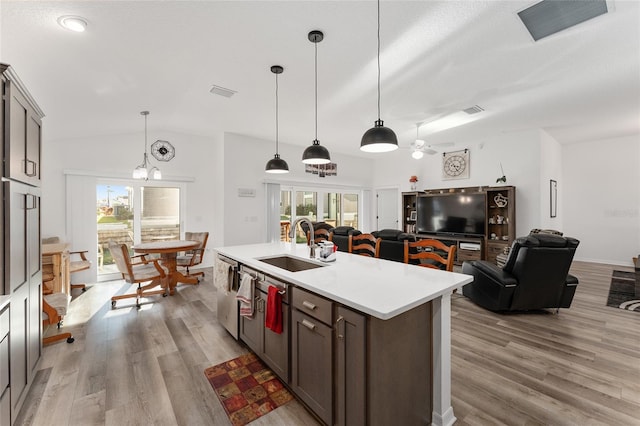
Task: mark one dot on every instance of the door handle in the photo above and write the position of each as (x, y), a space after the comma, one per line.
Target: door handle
(338, 321)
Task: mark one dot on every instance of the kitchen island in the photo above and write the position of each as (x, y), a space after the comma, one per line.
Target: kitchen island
(401, 304)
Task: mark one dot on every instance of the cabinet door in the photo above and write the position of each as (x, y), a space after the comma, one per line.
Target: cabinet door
(276, 346)
(351, 367)
(311, 376)
(252, 329)
(23, 145)
(16, 209)
(19, 344)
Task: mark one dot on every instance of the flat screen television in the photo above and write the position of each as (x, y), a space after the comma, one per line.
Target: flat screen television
(454, 214)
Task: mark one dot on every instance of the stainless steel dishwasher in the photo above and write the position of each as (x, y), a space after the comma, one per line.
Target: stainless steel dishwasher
(227, 302)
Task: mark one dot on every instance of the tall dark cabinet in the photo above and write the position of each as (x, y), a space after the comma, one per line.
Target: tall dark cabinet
(21, 133)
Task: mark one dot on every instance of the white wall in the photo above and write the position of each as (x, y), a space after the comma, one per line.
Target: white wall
(602, 198)
(115, 156)
(244, 161)
(550, 168)
(519, 154)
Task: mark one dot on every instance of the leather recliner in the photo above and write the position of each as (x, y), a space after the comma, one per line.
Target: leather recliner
(340, 237)
(535, 276)
(392, 243)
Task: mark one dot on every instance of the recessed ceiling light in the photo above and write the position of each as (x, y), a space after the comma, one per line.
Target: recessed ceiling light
(73, 23)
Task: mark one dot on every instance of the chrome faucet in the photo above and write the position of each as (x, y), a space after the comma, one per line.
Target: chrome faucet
(312, 245)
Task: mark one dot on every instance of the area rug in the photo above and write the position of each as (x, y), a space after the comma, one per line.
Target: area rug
(622, 291)
(246, 388)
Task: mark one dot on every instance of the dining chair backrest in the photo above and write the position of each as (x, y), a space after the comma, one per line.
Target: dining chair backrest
(365, 245)
(120, 255)
(430, 254)
(197, 253)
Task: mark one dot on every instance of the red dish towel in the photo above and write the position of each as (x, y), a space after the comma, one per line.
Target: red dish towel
(273, 319)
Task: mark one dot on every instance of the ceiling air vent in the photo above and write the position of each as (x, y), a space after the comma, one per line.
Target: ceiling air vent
(552, 16)
(473, 110)
(227, 93)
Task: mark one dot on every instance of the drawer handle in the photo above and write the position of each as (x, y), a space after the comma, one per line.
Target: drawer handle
(311, 326)
(34, 169)
(309, 305)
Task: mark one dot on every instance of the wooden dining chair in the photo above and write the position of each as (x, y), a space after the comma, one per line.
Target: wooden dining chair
(430, 254)
(193, 257)
(54, 308)
(138, 270)
(365, 245)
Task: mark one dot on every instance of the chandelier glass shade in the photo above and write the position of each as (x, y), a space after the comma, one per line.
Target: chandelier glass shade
(146, 170)
(276, 164)
(316, 153)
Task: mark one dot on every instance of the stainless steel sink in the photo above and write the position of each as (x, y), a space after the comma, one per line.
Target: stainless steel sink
(291, 264)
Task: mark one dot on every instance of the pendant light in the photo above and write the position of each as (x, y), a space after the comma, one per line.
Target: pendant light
(316, 153)
(379, 138)
(277, 164)
(146, 170)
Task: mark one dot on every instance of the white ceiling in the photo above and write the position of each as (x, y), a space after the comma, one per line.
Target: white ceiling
(437, 58)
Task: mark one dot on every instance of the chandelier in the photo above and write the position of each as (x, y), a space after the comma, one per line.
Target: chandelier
(146, 170)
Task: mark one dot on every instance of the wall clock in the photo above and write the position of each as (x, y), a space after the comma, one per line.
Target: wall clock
(163, 150)
(455, 165)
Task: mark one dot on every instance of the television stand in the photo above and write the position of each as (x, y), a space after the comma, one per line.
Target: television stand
(467, 248)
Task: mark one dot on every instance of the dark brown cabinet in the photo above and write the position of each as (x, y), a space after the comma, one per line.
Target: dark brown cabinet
(21, 135)
(312, 352)
(350, 367)
(271, 347)
(24, 127)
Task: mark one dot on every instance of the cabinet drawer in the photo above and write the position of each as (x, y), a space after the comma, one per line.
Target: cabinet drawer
(468, 255)
(4, 323)
(313, 305)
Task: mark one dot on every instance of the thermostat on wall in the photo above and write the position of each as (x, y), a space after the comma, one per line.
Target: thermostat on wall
(246, 192)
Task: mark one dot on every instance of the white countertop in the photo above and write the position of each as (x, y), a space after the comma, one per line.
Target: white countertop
(377, 287)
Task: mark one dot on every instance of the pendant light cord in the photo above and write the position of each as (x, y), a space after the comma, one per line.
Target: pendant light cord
(378, 60)
(145, 139)
(276, 113)
(316, 85)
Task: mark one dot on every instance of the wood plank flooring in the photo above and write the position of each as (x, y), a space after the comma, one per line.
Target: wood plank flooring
(145, 367)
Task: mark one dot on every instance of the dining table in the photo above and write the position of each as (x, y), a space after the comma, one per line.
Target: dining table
(168, 251)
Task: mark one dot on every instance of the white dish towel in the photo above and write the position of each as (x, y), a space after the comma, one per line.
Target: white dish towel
(245, 295)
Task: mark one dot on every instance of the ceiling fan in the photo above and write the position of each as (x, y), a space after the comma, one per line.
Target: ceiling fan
(419, 147)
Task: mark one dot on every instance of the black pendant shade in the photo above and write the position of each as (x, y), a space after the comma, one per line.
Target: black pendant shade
(379, 138)
(316, 154)
(276, 164)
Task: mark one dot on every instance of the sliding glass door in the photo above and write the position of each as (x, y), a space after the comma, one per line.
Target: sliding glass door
(130, 213)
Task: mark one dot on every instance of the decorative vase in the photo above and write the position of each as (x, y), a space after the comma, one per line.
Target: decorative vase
(414, 186)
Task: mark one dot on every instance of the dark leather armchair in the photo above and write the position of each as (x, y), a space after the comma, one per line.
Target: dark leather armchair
(340, 236)
(392, 243)
(535, 276)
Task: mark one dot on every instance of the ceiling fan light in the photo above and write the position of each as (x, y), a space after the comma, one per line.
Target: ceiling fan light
(379, 139)
(316, 154)
(276, 165)
(417, 154)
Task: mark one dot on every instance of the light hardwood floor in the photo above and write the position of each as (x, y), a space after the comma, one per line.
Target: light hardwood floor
(146, 367)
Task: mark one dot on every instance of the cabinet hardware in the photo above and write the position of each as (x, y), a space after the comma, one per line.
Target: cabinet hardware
(338, 321)
(311, 326)
(309, 305)
(26, 168)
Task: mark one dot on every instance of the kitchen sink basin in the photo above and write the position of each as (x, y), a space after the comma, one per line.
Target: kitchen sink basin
(291, 264)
